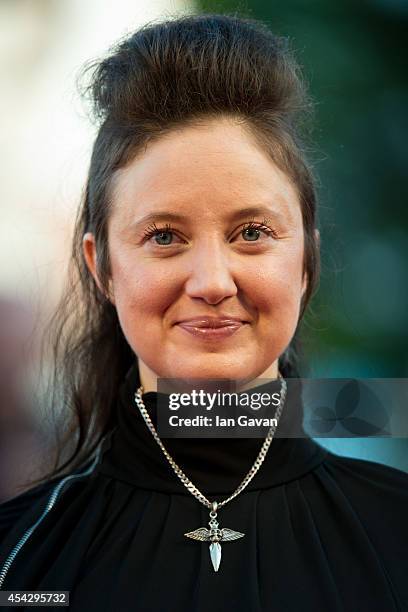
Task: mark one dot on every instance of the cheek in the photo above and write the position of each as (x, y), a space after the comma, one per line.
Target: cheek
(276, 282)
(275, 291)
(276, 295)
(142, 295)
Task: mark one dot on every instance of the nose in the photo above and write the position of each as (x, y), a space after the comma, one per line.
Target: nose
(210, 276)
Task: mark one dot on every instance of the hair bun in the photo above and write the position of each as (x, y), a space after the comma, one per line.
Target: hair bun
(173, 70)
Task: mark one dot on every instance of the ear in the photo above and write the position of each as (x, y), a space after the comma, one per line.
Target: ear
(317, 238)
(90, 256)
(304, 284)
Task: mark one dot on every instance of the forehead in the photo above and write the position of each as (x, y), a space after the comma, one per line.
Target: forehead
(214, 167)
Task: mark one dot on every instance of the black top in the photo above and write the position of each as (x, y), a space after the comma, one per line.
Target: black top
(322, 532)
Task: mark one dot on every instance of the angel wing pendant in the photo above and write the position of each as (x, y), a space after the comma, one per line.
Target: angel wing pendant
(215, 536)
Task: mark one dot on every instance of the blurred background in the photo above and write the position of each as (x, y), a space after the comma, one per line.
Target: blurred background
(353, 55)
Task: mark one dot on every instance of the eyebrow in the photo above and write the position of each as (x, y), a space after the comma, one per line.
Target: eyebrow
(164, 215)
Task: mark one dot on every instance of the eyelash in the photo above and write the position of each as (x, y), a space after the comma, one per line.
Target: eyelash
(153, 230)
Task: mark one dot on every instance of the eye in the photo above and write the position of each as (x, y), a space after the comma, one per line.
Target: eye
(253, 229)
(164, 234)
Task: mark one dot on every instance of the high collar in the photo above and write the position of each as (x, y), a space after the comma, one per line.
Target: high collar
(216, 466)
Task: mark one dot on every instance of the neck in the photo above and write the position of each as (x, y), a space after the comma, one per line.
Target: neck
(215, 465)
(149, 378)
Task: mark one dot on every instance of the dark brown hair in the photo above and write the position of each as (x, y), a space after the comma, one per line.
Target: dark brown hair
(166, 75)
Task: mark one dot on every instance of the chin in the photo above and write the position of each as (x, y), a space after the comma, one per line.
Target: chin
(212, 371)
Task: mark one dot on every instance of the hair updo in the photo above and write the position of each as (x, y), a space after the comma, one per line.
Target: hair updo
(166, 75)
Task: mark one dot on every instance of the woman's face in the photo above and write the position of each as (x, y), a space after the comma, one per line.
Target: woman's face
(214, 180)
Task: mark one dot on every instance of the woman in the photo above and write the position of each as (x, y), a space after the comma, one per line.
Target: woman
(199, 213)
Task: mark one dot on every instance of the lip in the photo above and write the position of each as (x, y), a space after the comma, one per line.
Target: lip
(212, 333)
(211, 322)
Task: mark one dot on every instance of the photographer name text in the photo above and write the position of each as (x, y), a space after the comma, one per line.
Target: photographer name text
(217, 421)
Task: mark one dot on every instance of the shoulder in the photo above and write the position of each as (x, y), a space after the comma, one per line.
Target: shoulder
(369, 474)
(28, 506)
(31, 503)
(366, 504)
(14, 508)
(376, 494)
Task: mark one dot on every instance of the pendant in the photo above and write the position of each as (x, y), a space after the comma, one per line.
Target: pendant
(215, 535)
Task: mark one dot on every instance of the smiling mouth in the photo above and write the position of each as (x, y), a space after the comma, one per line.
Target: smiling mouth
(210, 332)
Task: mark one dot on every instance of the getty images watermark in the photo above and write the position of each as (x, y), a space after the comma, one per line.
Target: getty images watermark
(198, 398)
(330, 407)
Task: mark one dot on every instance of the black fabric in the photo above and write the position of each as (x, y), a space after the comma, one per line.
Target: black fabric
(322, 532)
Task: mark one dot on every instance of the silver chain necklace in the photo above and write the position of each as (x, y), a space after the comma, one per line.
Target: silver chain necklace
(214, 534)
